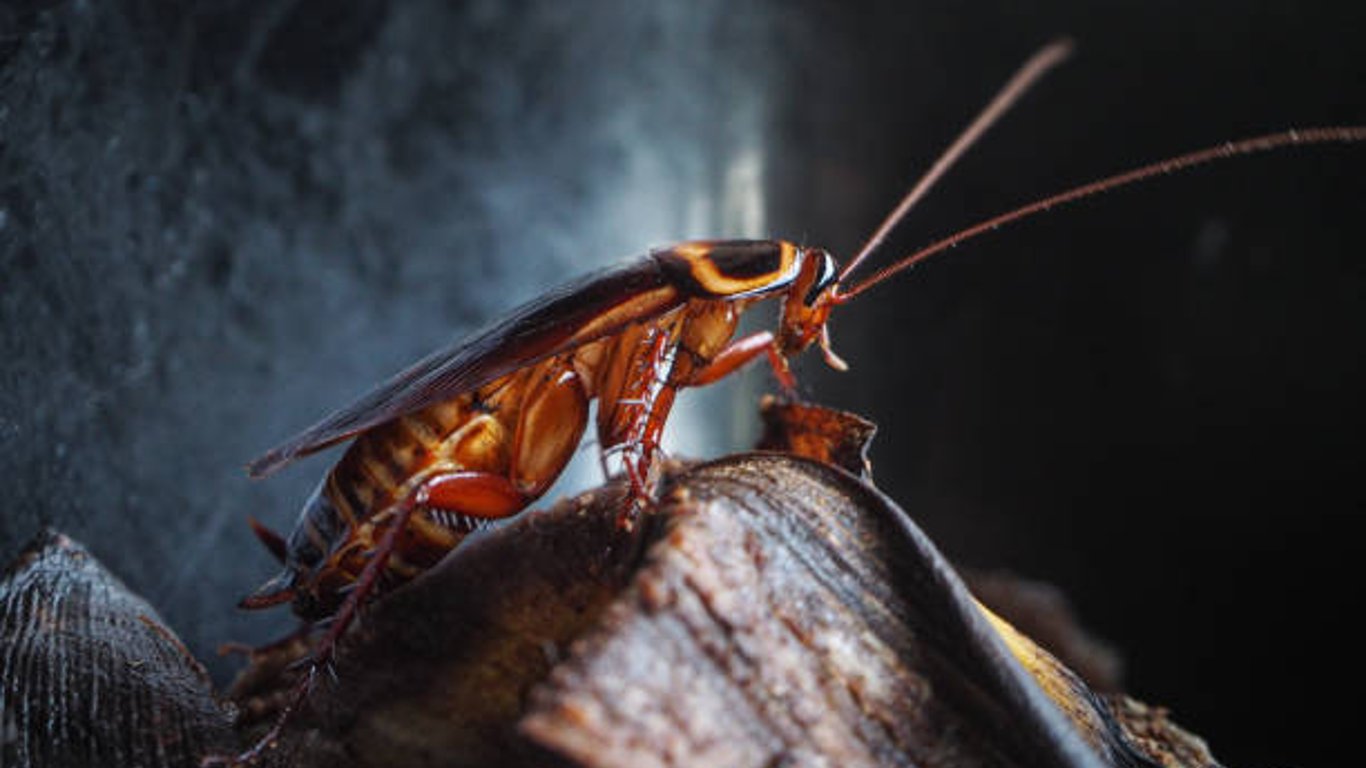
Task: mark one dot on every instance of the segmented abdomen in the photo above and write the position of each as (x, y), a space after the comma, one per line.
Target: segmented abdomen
(347, 516)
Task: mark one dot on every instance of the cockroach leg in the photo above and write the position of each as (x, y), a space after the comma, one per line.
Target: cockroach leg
(326, 648)
(640, 448)
(640, 457)
(473, 494)
(470, 494)
(742, 352)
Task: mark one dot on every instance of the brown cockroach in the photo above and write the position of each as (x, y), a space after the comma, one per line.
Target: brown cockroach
(478, 431)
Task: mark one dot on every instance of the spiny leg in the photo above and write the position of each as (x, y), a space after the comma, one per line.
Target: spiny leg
(640, 452)
(654, 398)
(629, 384)
(323, 652)
(642, 408)
(471, 494)
(742, 352)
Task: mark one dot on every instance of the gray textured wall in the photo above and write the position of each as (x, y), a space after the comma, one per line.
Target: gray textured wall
(218, 220)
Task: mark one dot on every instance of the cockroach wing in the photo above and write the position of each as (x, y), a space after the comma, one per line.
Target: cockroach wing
(581, 311)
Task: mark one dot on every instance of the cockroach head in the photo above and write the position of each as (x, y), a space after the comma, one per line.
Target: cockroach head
(812, 296)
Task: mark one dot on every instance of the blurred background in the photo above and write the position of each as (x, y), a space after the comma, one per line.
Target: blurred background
(220, 220)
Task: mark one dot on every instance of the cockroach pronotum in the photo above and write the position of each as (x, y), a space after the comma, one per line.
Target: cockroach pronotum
(478, 431)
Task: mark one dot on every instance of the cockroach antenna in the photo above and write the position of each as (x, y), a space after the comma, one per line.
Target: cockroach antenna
(1025, 78)
(1029, 74)
(1340, 134)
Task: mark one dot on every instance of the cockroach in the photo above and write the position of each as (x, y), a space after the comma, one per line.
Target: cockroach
(478, 431)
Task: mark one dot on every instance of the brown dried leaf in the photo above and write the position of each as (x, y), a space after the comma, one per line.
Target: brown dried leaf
(90, 675)
(771, 611)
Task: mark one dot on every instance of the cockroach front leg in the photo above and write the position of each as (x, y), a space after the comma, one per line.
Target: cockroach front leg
(742, 352)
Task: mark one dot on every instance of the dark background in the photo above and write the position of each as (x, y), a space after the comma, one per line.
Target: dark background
(218, 220)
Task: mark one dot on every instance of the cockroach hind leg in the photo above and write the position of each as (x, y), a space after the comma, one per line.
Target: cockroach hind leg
(320, 657)
(277, 591)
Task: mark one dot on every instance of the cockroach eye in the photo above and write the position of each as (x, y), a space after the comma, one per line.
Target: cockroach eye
(828, 274)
